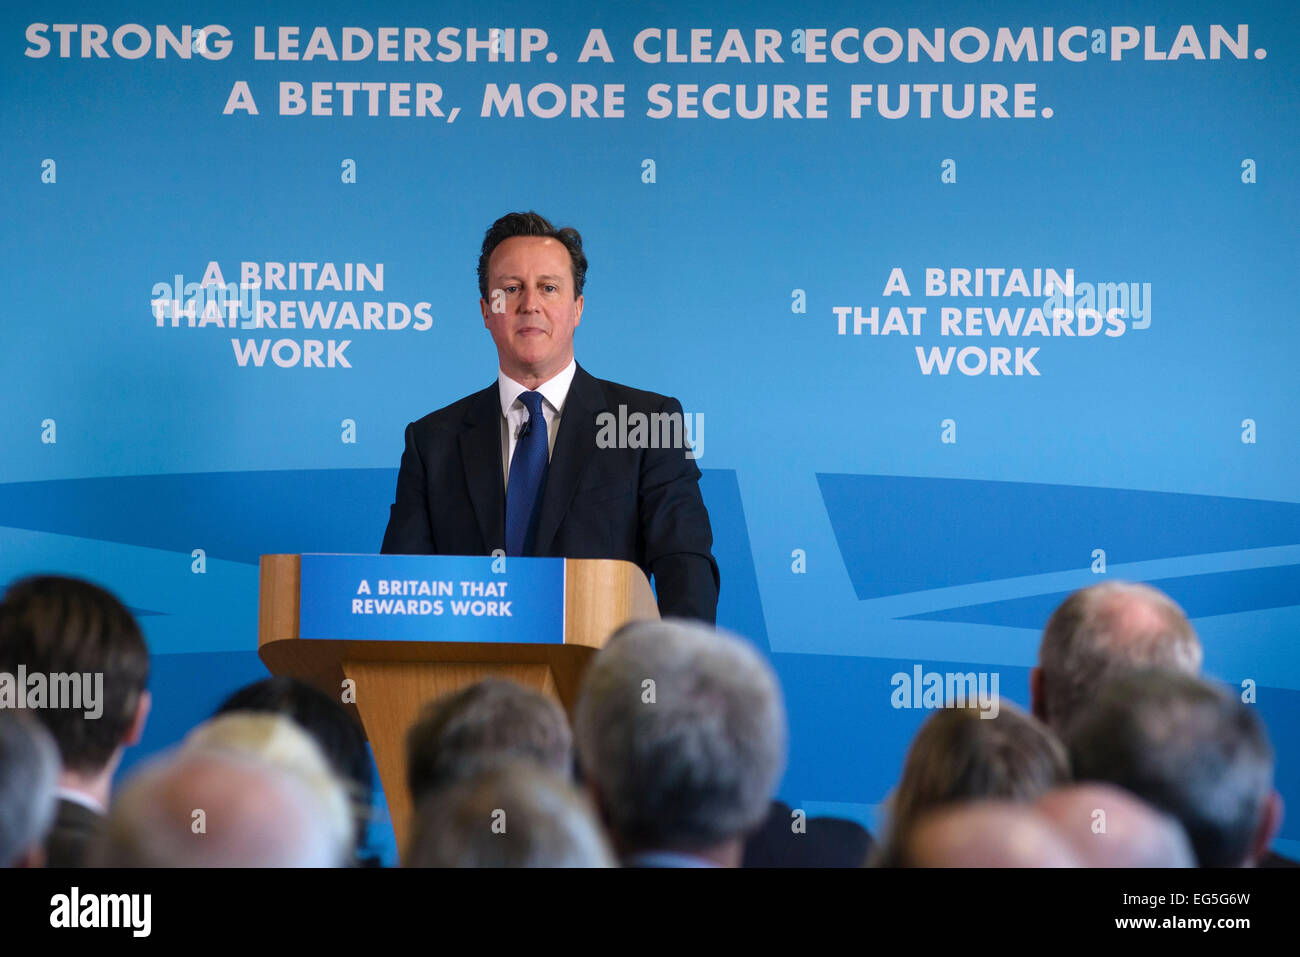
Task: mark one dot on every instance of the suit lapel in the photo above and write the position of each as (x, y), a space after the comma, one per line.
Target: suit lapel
(480, 451)
(574, 446)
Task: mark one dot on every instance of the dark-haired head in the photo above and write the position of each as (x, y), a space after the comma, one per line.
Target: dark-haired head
(52, 624)
(532, 224)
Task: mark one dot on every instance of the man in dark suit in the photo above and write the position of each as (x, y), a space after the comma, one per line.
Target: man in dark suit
(534, 464)
(51, 626)
(821, 842)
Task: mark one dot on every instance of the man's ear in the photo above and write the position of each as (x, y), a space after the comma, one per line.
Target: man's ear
(136, 731)
(483, 308)
(1270, 822)
(577, 315)
(1037, 705)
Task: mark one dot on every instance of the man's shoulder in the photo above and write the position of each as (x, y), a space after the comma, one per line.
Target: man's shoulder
(451, 417)
(616, 394)
(74, 828)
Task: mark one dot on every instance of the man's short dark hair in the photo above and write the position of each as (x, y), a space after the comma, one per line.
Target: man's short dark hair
(532, 224)
(51, 624)
(490, 723)
(340, 738)
(1185, 747)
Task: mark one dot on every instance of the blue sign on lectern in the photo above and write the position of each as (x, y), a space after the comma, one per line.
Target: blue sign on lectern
(432, 598)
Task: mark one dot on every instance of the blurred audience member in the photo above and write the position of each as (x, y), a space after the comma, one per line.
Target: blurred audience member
(961, 754)
(333, 729)
(681, 737)
(1190, 750)
(512, 815)
(204, 807)
(1101, 631)
(29, 770)
(787, 838)
(985, 834)
(1108, 827)
(281, 743)
(54, 626)
(485, 725)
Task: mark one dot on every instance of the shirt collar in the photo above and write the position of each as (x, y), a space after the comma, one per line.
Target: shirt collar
(554, 390)
(79, 797)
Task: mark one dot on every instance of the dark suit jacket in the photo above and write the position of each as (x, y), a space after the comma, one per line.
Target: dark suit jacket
(825, 842)
(638, 504)
(75, 826)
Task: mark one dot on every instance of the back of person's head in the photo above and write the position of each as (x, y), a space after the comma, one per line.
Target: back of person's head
(1190, 750)
(1101, 631)
(1108, 827)
(51, 626)
(985, 834)
(201, 807)
(485, 725)
(281, 743)
(514, 815)
(323, 717)
(29, 769)
(962, 754)
(681, 734)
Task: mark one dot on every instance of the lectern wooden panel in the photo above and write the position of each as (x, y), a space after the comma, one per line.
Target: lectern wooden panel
(393, 679)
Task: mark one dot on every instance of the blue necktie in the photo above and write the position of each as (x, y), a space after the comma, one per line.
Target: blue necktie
(527, 475)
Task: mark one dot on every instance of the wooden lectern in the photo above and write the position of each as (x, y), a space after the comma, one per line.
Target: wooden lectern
(393, 679)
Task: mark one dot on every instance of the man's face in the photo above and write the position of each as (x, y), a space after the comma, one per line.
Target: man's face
(531, 310)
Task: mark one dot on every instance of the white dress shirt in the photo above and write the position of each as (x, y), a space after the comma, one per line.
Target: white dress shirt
(514, 413)
(79, 797)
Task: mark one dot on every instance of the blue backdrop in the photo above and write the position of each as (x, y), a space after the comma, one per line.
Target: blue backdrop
(869, 515)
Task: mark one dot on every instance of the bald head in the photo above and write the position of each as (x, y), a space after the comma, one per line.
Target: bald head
(1108, 827)
(1101, 631)
(219, 809)
(986, 834)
